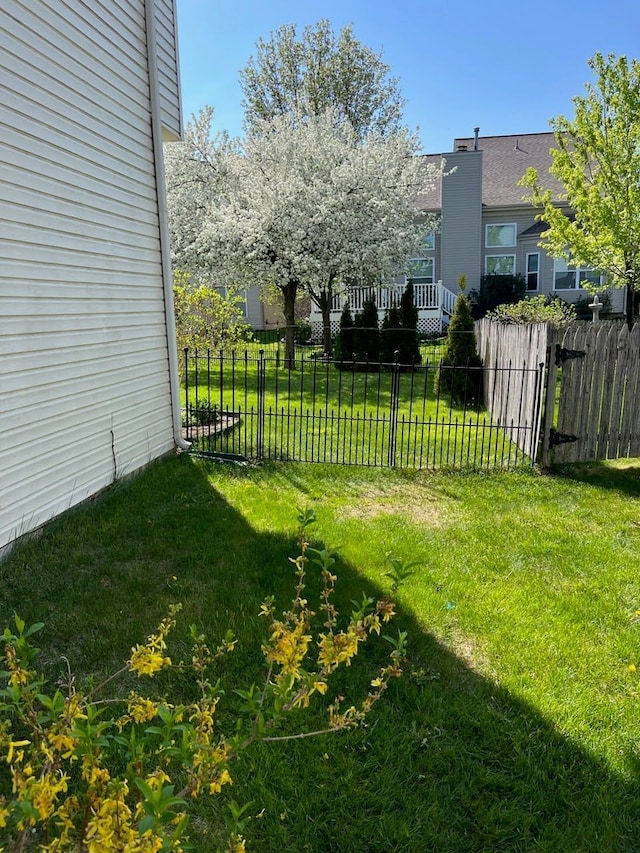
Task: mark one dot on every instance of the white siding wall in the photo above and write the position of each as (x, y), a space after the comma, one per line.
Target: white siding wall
(168, 68)
(84, 376)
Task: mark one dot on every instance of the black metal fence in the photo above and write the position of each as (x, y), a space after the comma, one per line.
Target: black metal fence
(255, 407)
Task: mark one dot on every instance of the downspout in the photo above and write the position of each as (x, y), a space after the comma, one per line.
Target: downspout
(163, 222)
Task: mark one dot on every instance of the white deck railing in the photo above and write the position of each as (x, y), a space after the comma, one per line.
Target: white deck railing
(435, 303)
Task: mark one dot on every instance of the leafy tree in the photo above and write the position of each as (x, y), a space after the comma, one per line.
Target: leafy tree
(597, 161)
(460, 373)
(206, 318)
(300, 206)
(316, 72)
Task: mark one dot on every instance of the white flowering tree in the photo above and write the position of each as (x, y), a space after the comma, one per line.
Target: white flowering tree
(308, 74)
(303, 205)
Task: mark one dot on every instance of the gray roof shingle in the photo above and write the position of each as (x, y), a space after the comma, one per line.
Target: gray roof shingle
(504, 161)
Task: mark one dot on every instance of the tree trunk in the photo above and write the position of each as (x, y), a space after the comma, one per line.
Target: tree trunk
(325, 308)
(629, 305)
(289, 292)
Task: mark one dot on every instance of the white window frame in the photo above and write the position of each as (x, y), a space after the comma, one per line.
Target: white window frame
(506, 255)
(535, 272)
(577, 273)
(489, 225)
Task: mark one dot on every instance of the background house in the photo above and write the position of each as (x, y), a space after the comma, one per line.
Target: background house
(485, 227)
(88, 387)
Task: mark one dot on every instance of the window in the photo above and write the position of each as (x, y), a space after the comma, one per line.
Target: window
(533, 270)
(500, 264)
(567, 277)
(429, 242)
(421, 270)
(497, 236)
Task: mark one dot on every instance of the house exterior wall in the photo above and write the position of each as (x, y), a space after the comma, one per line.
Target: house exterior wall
(255, 310)
(166, 35)
(461, 222)
(84, 368)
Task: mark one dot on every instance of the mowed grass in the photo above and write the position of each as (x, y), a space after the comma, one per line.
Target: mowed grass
(321, 413)
(515, 727)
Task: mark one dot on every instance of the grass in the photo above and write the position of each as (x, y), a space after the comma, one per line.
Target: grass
(516, 725)
(320, 413)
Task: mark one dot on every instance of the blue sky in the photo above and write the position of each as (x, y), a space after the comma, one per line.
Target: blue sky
(505, 67)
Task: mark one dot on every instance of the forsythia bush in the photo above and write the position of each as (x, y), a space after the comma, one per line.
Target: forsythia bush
(91, 772)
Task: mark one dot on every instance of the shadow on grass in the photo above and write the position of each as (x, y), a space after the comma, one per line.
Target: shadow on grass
(623, 477)
(449, 761)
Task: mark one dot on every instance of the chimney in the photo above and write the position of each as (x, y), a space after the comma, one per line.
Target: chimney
(476, 131)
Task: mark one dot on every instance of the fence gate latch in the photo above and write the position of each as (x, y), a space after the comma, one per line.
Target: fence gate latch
(563, 354)
(556, 438)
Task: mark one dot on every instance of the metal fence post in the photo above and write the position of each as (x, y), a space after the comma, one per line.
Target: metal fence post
(261, 403)
(393, 410)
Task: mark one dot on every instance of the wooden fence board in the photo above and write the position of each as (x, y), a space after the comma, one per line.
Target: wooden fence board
(631, 416)
(616, 394)
(513, 357)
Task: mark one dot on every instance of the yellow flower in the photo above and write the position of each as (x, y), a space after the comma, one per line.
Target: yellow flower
(11, 750)
(145, 661)
(224, 778)
(632, 667)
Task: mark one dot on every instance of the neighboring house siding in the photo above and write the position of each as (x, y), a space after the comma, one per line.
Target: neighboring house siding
(168, 69)
(254, 310)
(84, 373)
(461, 226)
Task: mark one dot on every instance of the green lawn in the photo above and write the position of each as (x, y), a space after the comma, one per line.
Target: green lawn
(318, 412)
(516, 725)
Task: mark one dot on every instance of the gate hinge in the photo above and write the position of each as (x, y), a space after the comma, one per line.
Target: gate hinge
(563, 354)
(556, 438)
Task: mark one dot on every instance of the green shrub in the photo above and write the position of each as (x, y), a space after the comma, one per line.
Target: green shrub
(409, 346)
(345, 342)
(581, 305)
(367, 333)
(95, 770)
(537, 309)
(303, 332)
(389, 335)
(497, 290)
(460, 372)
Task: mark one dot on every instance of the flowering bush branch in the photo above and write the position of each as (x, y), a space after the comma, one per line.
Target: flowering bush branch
(93, 772)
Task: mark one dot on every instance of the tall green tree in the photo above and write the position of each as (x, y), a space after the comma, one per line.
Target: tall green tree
(597, 161)
(309, 74)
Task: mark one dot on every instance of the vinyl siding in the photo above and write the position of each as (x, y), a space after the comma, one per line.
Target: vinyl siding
(84, 373)
(461, 224)
(168, 68)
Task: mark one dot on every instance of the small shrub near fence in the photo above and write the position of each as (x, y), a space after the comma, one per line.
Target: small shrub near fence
(349, 412)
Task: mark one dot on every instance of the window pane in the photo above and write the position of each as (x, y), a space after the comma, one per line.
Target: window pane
(421, 269)
(501, 235)
(589, 276)
(533, 263)
(429, 242)
(500, 264)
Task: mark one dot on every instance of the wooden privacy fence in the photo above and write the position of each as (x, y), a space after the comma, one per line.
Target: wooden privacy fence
(513, 359)
(589, 407)
(597, 413)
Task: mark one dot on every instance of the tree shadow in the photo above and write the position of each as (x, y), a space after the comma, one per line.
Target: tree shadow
(449, 760)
